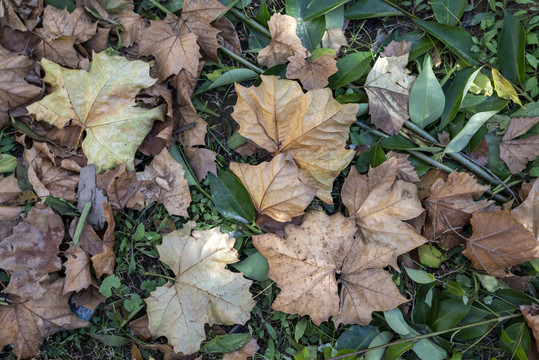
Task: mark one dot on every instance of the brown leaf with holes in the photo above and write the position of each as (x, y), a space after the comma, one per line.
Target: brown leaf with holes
(312, 74)
(132, 27)
(30, 253)
(275, 188)
(499, 241)
(516, 153)
(78, 274)
(284, 41)
(305, 263)
(244, 352)
(388, 88)
(531, 314)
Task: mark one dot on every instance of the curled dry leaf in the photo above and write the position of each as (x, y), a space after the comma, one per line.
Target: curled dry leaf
(308, 261)
(229, 36)
(405, 170)
(274, 187)
(312, 127)
(516, 153)
(122, 188)
(25, 324)
(284, 41)
(388, 87)
(312, 74)
(203, 291)
(531, 314)
(102, 104)
(499, 241)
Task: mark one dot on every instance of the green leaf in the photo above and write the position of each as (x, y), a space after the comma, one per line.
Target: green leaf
(397, 142)
(111, 281)
(350, 68)
(232, 76)
(255, 267)
(463, 137)
(396, 322)
(369, 9)
(421, 43)
(427, 99)
(381, 339)
(515, 297)
(450, 312)
(515, 340)
(111, 340)
(188, 174)
(310, 32)
(8, 163)
(511, 52)
(420, 276)
(263, 15)
(426, 304)
(357, 337)
(300, 329)
(376, 155)
(459, 41)
(394, 352)
(427, 350)
(448, 12)
(503, 88)
(231, 198)
(318, 8)
(226, 343)
(61, 206)
(456, 93)
(429, 256)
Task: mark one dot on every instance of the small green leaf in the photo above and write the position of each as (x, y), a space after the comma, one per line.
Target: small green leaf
(429, 256)
(396, 322)
(394, 352)
(427, 99)
(490, 283)
(425, 304)
(420, 276)
(319, 8)
(427, 350)
(381, 339)
(448, 12)
(513, 337)
(511, 48)
(357, 337)
(456, 93)
(351, 67)
(300, 329)
(61, 206)
(255, 267)
(369, 9)
(232, 76)
(397, 142)
(111, 340)
(226, 343)
(463, 137)
(8, 163)
(450, 312)
(111, 281)
(376, 155)
(231, 198)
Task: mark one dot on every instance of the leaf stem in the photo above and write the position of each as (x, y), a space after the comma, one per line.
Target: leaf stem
(253, 23)
(401, 9)
(159, 275)
(241, 60)
(161, 7)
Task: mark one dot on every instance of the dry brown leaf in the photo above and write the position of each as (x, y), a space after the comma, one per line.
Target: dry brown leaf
(480, 153)
(132, 27)
(451, 204)
(229, 36)
(203, 291)
(9, 16)
(99, 41)
(172, 51)
(90, 298)
(499, 241)
(244, 352)
(107, 9)
(527, 213)
(334, 39)
(388, 88)
(312, 127)
(166, 184)
(10, 189)
(30, 253)
(312, 74)
(122, 188)
(274, 187)
(104, 262)
(25, 324)
(78, 274)
(202, 161)
(305, 263)
(531, 314)
(517, 153)
(57, 22)
(59, 50)
(284, 41)
(405, 170)
(426, 181)
(519, 126)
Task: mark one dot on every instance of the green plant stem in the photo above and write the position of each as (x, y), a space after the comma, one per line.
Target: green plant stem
(80, 224)
(161, 7)
(400, 9)
(426, 336)
(253, 23)
(241, 60)
(159, 275)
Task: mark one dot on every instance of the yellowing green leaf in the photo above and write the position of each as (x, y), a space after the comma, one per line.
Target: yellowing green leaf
(503, 87)
(102, 103)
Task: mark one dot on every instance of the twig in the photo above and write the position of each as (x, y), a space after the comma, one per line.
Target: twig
(241, 60)
(253, 23)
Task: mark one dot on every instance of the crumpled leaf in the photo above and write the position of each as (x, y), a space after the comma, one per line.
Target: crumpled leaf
(388, 87)
(78, 274)
(334, 39)
(132, 27)
(203, 291)
(274, 187)
(517, 153)
(30, 253)
(101, 103)
(527, 213)
(499, 241)
(25, 324)
(312, 127)
(284, 41)
(60, 22)
(405, 170)
(531, 314)
(229, 36)
(312, 74)
(306, 260)
(122, 188)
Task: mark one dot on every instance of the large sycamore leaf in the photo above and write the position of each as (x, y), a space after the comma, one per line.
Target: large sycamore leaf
(101, 103)
(274, 187)
(516, 153)
(388, 87)
(203, 291)
(25, 324)
(309, 260)
(499, 241)
(312, 127)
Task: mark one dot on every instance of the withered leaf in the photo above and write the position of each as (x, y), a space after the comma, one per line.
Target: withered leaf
(531, 314)
(229, 36)
(517, 153)
(122, 188)
(284, 41)
(59, 50)
(334, 39)
(59, 22)
(132, 27)
(274, 187)
(203, 291)
(78, 274)
(202, 161)
(527, 213)
(405, 170)
(306, 260)
(312, 74)
(499, 241)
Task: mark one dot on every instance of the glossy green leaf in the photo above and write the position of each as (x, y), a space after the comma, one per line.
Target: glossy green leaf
(463, 137)
(456, 93)
(450, 312)
(425, 304)
(515, 341)
(255, 267)
(61, 206)
(421, 43)
(429, 256)
(381, 339)
(231, 198)
(515, 297)
(511, 52)
(420, 276)
(351, 67)
(427, 99)
(369, 9)
(8, 163)
(397, 142)
(394, 352)
(232, 76)
(376, 155)
(310, 32)
(226, 343)
(318, 8)
(448, 12)
(263, 15)
(459, 41)
(427, 350)
(475, 315)
(396, 322)
(357, 337)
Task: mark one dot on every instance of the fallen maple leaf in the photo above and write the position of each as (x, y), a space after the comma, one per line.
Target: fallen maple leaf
(517, 153)
(59, 50)
(310, 259)
(229, 36)
(60, 22)
(203, 291)
(499, 241)
(405, 170)
(388, 87)
(122, 188)
(312, 127)
(312, 74)
(101, 103)
(202, 161)
(284, 41)
(274, 187)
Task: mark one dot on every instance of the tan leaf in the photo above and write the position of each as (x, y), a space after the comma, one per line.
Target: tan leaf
(426, 181)
(166, 184)
(25, 324)
(30, 253)
(499, 241)
(305, 263)
(58, 23)
(203, 291)
(312, 127)
(202, 161)
(405, 170)
(9, 16)
(334, 39)
(59, 50)
(519, 126)
(10, 189)
(132, 27)
(122, 188)
(78, 274)
(531, 314)
(312, 74)
(104, 262)
(284, 41)
(480, 153)
(99, 41)
(244, 352)
(228, 35)
(172, 51)
(274, 187)
(451, 204)
(517, 153)
(388, 88)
